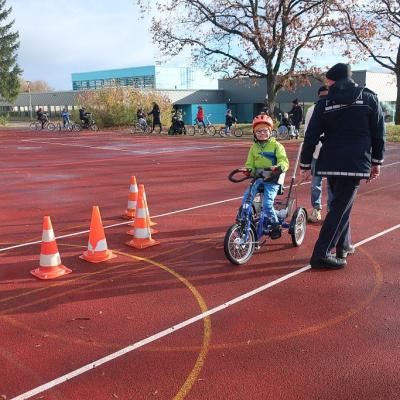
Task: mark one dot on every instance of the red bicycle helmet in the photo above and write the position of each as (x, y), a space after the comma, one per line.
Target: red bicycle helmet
(263, 119)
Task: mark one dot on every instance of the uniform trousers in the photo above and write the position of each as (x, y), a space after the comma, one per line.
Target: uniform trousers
(335, 231)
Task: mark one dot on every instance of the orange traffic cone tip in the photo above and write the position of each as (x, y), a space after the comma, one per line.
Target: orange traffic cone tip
(97, 246)
(132, 199)
(50, 265)
(142, 235)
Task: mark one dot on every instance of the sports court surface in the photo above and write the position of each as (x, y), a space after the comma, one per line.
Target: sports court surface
(177, 320)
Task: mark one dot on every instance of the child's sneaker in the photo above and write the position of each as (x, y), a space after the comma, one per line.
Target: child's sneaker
(281, 214)
(315, 215)
(276, 231)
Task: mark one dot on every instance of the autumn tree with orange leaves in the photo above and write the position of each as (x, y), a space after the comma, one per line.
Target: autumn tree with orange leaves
(271, 39)
(375, 27)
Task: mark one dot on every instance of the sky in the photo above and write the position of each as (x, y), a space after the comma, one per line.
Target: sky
(58, 37)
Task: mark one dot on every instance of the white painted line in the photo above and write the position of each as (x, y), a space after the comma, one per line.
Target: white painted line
(161, 150)
(172, 329)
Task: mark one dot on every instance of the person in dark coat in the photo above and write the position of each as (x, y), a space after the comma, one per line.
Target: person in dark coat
(352, 121)
(297, 115)
(155, 112)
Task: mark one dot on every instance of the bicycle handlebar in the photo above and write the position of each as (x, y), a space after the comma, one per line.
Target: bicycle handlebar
(259, 174)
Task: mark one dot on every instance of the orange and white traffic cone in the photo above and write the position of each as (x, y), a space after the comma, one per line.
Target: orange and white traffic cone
(142, 235)
(151, 223)
(142, 194)
(50, 260)
(132, 199)
(97, 246)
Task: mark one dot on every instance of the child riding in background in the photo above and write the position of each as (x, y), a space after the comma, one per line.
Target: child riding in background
(200, 117)
(229, 121)
(65, 117)
(42, 116)
(266, 153)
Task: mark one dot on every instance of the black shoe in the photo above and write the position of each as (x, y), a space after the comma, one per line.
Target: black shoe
(276, 231)
(343, 253)
(330, 262)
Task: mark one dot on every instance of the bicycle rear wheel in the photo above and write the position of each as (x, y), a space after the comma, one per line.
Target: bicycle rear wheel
(32, 126)
(211, 130)
(191, 130)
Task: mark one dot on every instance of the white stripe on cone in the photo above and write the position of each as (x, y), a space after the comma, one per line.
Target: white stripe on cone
(133, 188)
(141, 213)
(142, 233)
(50, 260)
(48, 236)
(131, 205)
(101, 245)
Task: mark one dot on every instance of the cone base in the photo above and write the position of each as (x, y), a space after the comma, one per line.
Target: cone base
(132, 232)
(142, 244)
(88, 256)
(50, 272)
(128, 215)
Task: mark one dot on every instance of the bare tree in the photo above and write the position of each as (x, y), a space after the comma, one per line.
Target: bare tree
(35, 86)
(271, 39)
(375, 27)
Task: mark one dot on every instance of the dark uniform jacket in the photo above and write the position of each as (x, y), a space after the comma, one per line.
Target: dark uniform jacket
(352, 121)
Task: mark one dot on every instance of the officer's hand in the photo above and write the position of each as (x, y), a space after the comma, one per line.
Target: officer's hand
(375, 172)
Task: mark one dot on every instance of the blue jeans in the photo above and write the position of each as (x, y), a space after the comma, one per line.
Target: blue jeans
(316, 189)
(270, 192)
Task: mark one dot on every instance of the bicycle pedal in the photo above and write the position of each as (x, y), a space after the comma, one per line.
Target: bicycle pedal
(257, 246)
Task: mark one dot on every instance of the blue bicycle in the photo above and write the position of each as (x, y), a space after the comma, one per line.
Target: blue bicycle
(252, 228)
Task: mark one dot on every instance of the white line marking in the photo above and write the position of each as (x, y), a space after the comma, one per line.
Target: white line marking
(172, 329)
(154, 151)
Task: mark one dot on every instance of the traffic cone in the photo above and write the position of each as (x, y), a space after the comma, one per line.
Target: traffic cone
(142, 194)
(142, 235)
(132, 199)
(50, 266)
(151, 223)
(97, 246)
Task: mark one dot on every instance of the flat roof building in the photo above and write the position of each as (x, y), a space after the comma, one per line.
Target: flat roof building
(146, 77)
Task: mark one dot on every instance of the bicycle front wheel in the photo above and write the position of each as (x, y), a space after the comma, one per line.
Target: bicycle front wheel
(51, 126)
(238, 132)
(94, 128)
(238, 250)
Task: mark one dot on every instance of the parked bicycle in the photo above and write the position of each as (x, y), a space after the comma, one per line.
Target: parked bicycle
(200, 129)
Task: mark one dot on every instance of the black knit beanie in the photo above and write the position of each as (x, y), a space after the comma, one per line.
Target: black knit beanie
(339, 71)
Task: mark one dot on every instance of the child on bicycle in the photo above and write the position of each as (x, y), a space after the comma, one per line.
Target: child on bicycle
(266, 153)
(42, 116)
(65, 117)
(200, 117)
(229, 121)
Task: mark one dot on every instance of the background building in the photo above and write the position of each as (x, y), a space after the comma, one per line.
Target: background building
(147, 77)
(246, 97)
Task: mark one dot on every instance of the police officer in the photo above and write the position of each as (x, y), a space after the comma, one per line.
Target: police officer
(352, 121)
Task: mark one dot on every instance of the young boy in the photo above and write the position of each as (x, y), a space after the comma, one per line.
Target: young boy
(266, 152)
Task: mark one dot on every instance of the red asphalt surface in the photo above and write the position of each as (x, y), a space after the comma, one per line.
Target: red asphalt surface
(317, 335)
